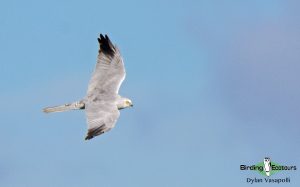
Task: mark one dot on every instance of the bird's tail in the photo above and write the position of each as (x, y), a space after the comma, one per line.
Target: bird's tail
(66, 107)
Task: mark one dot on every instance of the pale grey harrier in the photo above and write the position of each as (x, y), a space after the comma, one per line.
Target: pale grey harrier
(102, 102)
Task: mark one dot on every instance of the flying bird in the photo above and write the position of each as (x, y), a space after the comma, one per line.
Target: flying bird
(102, 101)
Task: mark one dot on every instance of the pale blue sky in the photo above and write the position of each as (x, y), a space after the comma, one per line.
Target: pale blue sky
(215, 84)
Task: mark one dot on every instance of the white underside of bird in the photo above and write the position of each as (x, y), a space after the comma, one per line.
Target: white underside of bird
(102, 102)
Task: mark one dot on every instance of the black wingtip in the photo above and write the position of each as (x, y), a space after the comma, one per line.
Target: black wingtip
(88, 137)
(95, 132)
(106, 46)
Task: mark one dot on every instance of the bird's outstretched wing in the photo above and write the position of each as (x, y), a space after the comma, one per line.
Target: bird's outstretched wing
(100, 106)
(101, 117)
(109, 72)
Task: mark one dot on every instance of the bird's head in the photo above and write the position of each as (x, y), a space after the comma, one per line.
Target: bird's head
(124, 103)
(128, 103)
